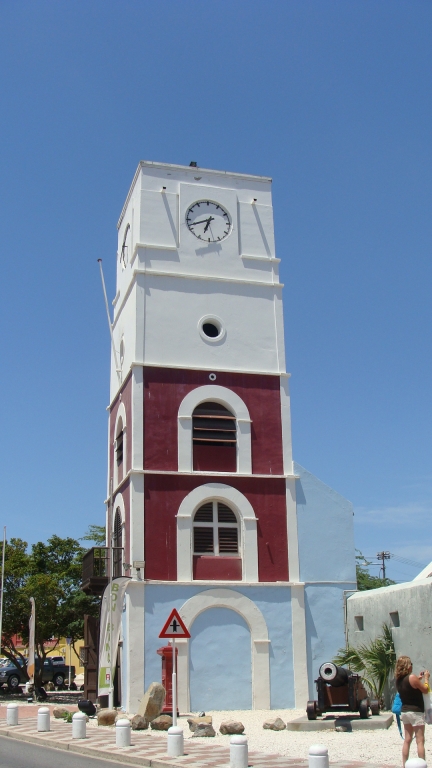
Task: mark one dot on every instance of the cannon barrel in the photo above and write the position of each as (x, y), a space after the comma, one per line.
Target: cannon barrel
(333, 675)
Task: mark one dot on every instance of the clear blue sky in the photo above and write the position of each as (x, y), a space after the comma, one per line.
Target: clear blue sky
(332, 98)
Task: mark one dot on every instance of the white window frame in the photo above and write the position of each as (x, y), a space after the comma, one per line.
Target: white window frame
(248, 542)
(215, 524)
(118, 504)
(226, 397)
(120, 416)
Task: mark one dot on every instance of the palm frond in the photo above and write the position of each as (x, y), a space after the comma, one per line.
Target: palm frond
(374, 661)
(349, 657)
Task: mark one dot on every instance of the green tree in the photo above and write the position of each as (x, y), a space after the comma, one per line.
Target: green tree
(374, 661)
(51, 574)
(96, 534)
(364, 578)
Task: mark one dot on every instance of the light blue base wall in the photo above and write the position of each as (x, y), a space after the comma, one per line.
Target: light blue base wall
(327, 555)
(325, 524)
(220, 661)
(216, 635)
(325, 626)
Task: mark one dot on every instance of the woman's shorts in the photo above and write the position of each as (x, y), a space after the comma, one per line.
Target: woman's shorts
(415, 719)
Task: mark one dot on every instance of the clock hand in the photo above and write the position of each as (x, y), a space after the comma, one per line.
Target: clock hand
(203, 221)
(208, 224)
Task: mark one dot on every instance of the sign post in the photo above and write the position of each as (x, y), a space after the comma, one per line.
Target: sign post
(69, 642)
(174, 627)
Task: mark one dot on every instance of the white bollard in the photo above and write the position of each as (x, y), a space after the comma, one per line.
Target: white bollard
(123, 733)
(318, 756)
(43, 719)
(416, 762)
(175, 741)
(238, 752)
(12, 714)
(79, 723)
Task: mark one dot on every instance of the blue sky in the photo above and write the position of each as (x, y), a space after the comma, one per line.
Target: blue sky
(332, 99)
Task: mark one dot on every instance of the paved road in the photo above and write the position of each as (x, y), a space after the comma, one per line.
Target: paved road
(20, 754)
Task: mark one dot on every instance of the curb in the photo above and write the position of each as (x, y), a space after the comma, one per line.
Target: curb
(89, 751)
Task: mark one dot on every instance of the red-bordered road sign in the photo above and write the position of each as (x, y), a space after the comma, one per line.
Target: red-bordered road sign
(174, 626)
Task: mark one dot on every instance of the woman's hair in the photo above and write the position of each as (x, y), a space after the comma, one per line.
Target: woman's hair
(403, 666)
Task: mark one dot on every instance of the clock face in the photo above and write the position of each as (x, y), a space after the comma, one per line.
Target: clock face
(208, 221)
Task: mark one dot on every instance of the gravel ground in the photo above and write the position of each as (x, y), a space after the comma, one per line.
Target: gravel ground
(383, 746)
(379, 747)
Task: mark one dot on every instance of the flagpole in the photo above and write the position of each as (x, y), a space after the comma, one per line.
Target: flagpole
(118, 370)
(174, 685)
(111, 688)
(2, 587)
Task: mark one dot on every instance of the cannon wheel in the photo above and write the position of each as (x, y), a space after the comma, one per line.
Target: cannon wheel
(375, 706)
(311, 710)
(364, 709)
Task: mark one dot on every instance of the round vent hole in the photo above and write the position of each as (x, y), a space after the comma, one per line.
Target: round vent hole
(211, 330)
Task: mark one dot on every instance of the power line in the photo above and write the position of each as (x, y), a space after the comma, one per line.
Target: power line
(406, 561)
(399, 559)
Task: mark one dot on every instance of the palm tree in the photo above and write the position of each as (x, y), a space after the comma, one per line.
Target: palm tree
(374, 661)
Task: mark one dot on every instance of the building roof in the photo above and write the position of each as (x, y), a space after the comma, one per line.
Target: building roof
(426, 573)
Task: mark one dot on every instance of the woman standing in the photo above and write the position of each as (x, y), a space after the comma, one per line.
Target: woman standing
(411, 689)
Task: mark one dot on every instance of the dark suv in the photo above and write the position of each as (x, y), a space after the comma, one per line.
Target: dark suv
(55, 673)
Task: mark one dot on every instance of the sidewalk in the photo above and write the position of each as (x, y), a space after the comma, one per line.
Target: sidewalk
(146, 749)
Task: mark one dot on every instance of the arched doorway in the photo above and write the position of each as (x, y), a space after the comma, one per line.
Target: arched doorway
(220, 661)
(207, 601)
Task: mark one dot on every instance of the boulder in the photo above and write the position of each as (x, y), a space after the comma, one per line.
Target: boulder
(151, 704)
(203, 729)
(275, 725)
(139, 723)
(343, 726)
(231, 726)
(194, 721)
(106, 716)
(61, 712)
(161, 723)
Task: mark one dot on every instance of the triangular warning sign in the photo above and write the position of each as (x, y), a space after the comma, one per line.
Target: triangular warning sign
(174, 626)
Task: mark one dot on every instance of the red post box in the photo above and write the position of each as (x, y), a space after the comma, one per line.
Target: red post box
(167, 670)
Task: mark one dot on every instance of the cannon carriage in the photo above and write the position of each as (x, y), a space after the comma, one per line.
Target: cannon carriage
(340, 690)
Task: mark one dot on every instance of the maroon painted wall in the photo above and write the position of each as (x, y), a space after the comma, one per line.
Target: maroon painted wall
(215, 568)
(165, 388)
(165, 493)
(214, 458)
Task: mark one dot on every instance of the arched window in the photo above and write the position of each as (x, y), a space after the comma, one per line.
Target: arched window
(119, 453)
(214, 437)
(117, 544)
(226, 566)
(216, 542)
(194, 454)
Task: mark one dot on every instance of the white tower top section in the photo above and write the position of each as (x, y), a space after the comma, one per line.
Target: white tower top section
(197, 277)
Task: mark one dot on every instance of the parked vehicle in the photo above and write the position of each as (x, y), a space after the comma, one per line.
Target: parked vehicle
(55, 673)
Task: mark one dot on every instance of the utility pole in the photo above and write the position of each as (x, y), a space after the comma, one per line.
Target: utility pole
(383, 556)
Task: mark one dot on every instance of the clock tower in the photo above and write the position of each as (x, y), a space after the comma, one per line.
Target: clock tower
(212, 516)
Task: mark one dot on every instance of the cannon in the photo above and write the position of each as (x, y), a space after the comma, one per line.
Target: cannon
(340, 690)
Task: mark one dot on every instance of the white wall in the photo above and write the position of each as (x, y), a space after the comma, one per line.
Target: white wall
(412, 601)
(171, 279)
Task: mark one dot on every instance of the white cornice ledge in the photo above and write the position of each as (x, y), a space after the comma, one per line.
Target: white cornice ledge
(206, 278)
(215, 584)
(269, 259)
